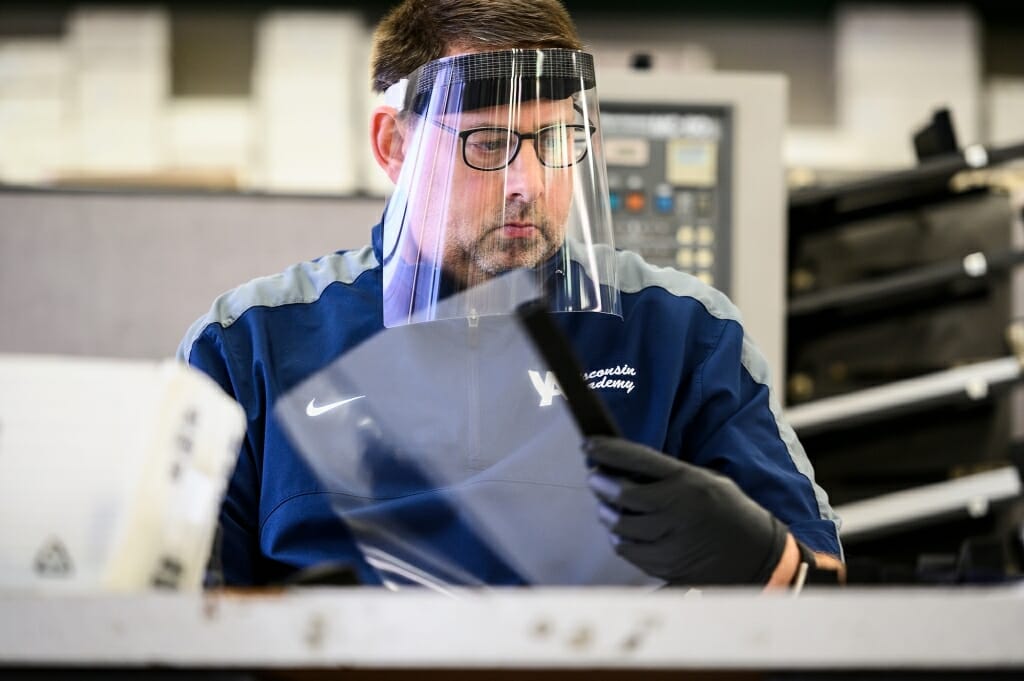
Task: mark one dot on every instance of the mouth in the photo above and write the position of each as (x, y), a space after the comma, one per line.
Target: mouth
(518, 230)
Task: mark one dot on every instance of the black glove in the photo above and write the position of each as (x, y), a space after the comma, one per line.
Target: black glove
(680, 522)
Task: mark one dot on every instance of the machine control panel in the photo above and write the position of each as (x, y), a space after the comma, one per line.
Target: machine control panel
(668, 181)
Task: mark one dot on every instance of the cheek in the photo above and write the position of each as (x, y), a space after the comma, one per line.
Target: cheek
(477, 193)
(560, 194)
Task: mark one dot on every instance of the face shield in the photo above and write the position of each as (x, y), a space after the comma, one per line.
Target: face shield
(500, 168)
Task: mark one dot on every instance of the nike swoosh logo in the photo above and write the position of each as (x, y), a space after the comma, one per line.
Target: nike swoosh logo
(313, 410)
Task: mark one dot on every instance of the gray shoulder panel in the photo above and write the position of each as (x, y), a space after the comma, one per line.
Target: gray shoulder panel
(635, 274)
(301, 283)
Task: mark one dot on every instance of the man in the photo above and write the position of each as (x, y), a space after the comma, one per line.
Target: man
(490, 133)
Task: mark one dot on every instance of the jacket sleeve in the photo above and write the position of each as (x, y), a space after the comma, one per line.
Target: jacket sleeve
(235, 553)
(740, 432)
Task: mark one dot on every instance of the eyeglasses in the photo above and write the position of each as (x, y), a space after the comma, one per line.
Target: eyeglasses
(557, 146)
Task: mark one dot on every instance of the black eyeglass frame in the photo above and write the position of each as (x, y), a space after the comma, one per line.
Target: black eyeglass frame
(519, 136)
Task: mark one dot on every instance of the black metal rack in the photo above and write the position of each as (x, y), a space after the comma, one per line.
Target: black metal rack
(818, 208)
(902, 289)
(915, 284)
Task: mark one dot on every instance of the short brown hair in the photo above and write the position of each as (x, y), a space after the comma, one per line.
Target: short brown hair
(418, 31)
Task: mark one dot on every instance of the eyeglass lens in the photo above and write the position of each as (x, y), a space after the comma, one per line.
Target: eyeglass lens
(557, 146)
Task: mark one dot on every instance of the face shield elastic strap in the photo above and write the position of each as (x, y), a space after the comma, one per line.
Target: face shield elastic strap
(487, 79)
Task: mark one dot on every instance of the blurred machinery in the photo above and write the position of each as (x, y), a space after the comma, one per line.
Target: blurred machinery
(905, 352)
(685, 194)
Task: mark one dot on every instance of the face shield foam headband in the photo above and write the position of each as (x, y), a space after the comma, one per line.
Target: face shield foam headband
(500, 168)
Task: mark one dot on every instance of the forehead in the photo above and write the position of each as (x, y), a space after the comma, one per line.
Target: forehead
(533, 112)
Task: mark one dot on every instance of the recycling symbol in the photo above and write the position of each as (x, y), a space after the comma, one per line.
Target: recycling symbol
(53, 559)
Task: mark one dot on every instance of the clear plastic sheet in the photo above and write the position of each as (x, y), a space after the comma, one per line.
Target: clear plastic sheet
(439, 458)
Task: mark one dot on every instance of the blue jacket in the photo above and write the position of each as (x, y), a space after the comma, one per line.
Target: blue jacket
(677, 373)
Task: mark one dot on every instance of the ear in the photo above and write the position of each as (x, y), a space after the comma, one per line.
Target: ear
(387, 141)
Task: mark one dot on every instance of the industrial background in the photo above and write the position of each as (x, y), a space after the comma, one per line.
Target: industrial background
(153, 156)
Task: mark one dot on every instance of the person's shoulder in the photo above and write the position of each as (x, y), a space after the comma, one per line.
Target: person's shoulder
(641, 278)
(302, 283)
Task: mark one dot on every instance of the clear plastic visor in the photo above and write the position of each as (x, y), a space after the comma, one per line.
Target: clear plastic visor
(449, 454)
(499, 167)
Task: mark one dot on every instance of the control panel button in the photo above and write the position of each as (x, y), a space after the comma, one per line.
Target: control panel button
(704, 205)
(636, 202)
(705, 258)
(684, 259)
(615, 199)
(685, 204)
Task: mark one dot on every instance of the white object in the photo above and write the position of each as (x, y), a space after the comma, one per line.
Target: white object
(971, 380)
(33, 131)
(34, 89)
(111, 472)
(121, 83)
(971, 495)
(103, 37)
(213, 133)
(1005, 111)
(308, 109)
(32, 68)
(896, 65)
(525, 630)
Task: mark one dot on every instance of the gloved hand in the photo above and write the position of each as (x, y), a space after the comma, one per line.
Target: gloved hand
(680, 522)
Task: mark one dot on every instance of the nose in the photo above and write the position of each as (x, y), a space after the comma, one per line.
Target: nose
(525, 176)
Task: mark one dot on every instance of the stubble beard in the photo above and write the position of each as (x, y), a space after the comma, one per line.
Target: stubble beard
(491, 253)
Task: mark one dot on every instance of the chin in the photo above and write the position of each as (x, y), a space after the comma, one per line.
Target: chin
(513, 261)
